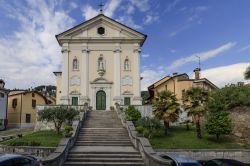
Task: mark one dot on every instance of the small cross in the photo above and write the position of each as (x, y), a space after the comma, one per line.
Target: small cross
(101, 7)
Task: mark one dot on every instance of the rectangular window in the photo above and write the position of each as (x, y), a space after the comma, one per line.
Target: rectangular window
(166, 87)
(33, 94)
(14, 103)
(183, 91)
(126, 100)
(1, 95)
(33, 103)
(28, 117)
(74, 100)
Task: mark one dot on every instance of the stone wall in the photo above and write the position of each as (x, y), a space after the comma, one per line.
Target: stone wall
(208, 154)
(241, 123)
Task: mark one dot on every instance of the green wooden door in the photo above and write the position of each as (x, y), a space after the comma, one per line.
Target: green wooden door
(100, 100)
(74, 100)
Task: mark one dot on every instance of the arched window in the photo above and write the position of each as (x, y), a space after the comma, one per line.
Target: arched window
(101, 63)
(126, 64)
(75, 64)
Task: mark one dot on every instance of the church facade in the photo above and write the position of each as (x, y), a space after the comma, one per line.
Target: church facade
(101, 64)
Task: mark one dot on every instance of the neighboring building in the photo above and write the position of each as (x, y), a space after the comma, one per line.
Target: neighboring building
(3, 105)
(179, 83)
(22, 108)
(101, 64)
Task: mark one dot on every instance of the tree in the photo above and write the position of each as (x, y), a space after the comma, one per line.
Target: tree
(247, 73)
(57, 115)
(219, 123)
(166, 108)
(194, 101)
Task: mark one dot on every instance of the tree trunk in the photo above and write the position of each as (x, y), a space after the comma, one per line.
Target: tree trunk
(166, 125)
(217, 136)
(187, 126)
(198, 127)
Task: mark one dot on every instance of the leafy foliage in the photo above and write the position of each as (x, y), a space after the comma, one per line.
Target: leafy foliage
(145, 95)
(219, 123)
(195, 100)
(149, 127)
(166, 107)
(229, 97)
(50, 89)
(247, 73)
(58, 115)
(132, 113)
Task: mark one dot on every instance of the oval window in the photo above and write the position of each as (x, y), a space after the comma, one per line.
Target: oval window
(100, 30)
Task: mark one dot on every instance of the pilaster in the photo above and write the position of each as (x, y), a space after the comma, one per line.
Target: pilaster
(85, 76)
(137, 100)
(117, 76)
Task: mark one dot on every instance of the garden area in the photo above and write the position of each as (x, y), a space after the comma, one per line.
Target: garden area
(62, 118)
(208, 124)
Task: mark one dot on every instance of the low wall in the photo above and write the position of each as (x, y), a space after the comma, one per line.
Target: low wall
(241, 123)
(39, 152)
(145, 110)
(208, 154)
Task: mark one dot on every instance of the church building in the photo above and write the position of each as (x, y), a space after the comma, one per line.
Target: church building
(101, 64)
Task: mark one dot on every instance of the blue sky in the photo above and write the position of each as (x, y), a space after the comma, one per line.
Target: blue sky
(178, 31)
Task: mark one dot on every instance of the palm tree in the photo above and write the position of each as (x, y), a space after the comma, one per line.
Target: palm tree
(166, 108)
(194, 101)
(247, 73)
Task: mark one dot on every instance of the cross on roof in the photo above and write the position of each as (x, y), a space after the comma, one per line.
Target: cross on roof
(101, 7)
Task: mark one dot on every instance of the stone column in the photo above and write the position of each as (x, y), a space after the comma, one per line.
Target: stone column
(137, 100)
(85, 76)
(117, 76)
(65, 76)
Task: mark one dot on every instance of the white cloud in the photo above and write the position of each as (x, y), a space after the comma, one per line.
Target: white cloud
(145, 55)
(203, 55)
(108, 9)
(244, 48)
(31, 54)
(142, 5)
(149, 19)
(224, 75)
(128, 20)
(149, 77)
(173, 51)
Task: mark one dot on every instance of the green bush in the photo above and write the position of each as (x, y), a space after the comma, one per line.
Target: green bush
(132, 113)
(229, 97)
(67, 130)
(146, 133)
(219, 123)
(140, 129)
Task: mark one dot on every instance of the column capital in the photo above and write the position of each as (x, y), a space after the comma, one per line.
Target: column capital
(117, 50)
(65, 50)
(138, 50)
(85, 50)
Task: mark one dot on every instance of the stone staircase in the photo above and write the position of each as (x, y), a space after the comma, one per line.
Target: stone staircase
(103, 141)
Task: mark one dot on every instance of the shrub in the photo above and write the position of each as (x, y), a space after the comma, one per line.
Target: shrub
(140, 129)
(219, 123)
(132, 113)
(146, 133)
(67, 130)
(112, 108)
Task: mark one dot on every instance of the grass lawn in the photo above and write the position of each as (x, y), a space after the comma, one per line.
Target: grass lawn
(47, 138)
(180, 138)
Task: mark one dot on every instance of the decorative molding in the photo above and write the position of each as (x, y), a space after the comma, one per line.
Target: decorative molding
(85, 50)
(65, 50)
(75, 80)
(137, 50)
(127, 80)
(118, 50)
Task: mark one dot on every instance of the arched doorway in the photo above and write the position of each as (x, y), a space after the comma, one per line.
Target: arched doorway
(100, 100)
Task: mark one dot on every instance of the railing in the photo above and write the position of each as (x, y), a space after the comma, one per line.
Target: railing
(142, 144)
(76, 107)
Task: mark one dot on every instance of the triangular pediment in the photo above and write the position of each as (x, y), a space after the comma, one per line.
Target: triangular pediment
(113, 30)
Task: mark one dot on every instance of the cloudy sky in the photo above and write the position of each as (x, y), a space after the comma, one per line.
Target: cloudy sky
(179, 31)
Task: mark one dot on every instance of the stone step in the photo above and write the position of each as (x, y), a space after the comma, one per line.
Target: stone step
(96, 152)
(123, 155)
(103, 144)
(104, 159)
(103, 139)
(93, 163)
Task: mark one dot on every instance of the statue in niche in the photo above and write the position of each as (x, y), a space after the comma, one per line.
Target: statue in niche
(101, 66)
(126, 64)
